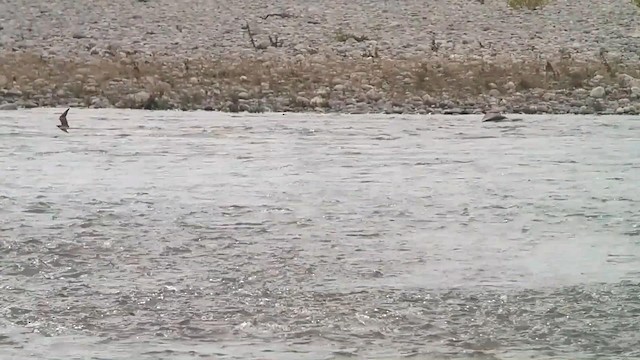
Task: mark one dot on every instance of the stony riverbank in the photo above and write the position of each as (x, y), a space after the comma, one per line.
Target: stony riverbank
(322, 84)
(334, 56)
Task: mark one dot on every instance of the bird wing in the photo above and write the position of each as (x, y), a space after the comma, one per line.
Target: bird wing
(493, 117)
(63, 118)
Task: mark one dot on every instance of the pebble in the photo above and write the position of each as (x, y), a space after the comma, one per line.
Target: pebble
(302, 101)
(9, 106)
(361, 57)
(318, 102)
(28, 104)
(597, 92)
(13, 93)
(140, 97)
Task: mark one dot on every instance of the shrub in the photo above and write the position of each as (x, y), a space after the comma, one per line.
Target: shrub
(530, 4)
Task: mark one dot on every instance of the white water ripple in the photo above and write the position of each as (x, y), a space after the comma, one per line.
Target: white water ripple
(175, 235)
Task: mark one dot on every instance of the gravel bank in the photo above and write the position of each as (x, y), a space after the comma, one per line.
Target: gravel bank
(331, 56)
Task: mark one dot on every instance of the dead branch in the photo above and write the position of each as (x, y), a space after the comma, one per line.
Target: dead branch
(603, 58)
(434, 45)
(550, 69)
(275, 42)
(248, 28)
(371, 54)
(136, 70)
(282, 15)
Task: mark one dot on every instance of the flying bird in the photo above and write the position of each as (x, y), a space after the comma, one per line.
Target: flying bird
(493, 116)
(64, 125)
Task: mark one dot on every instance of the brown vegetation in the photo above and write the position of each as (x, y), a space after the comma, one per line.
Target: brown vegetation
(528, 4)
(284, 84)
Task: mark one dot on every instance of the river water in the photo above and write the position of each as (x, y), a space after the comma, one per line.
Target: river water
(195, 235)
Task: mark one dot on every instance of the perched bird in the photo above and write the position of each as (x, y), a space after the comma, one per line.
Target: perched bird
(64, 125)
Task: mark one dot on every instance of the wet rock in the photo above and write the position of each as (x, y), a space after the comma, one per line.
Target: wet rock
(357, 109)
(9, 106)
(531, 109)
(28, 104)
(397, 110)
(336, 105)
(99, 102)
(454, 111)
(576, 103)
(13, 93)
(597, 106)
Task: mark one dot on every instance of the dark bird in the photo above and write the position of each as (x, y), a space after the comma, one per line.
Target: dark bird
(496, 117)
(493, 116)
(64, 125)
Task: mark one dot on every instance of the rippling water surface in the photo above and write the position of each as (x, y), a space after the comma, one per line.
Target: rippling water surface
(171, 235)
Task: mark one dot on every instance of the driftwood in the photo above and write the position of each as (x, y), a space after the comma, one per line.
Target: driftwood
(603, 58)
(550, 69)
(248, 28)
(273, 40)
(280, 15)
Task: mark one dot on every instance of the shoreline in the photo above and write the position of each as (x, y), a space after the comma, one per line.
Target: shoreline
(323, 83)
(359, 56)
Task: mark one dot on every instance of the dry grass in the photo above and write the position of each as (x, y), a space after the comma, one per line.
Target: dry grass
(342, 36)
(528, 4)
(279, 83)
